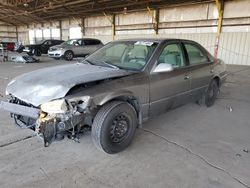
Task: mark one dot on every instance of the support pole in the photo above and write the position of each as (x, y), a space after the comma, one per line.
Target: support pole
(220, 8)
(155, 17)
(50, 30)
(112, 21)
(60, 27)
(113, 26)
(28, 34)
(17, 34)
(82, 27)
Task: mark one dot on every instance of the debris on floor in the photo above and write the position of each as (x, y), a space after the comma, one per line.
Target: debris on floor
(24, 59)
(246, 150)
(238, 155)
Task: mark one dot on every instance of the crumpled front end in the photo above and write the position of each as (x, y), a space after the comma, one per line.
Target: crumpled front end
(51, 120)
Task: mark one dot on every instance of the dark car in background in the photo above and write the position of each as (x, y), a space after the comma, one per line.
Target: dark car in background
(75, 48)
(115, 89)
(41, 47)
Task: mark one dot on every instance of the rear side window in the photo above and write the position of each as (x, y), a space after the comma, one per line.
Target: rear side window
(172, 54)
(195, 55)
(91, 42)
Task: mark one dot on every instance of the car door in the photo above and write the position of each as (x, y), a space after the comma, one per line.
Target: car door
(78, 47)
(200, 67)
(170, 89)
(89, 46)
(45, 46)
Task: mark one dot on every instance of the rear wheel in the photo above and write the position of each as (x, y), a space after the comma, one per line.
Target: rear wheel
(68, 56)
(114, 127)
(211, 93)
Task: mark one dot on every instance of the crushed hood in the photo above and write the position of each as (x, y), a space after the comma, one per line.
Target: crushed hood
(46, 84)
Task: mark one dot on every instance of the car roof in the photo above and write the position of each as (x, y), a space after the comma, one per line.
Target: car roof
(84, 39)
(156, 39)
(52, 40)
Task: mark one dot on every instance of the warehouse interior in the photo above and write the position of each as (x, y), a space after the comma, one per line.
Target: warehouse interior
(112, 20)
(191, 146)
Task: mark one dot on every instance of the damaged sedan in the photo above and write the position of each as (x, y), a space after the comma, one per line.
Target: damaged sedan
(114, 90)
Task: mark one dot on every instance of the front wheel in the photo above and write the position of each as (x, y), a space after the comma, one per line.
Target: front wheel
(211, 93)
(68, 56)
(114, 127)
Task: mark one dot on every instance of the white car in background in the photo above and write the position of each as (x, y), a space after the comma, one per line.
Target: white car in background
(74, 48)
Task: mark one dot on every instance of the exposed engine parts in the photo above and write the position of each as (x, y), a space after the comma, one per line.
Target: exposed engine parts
(55, 119)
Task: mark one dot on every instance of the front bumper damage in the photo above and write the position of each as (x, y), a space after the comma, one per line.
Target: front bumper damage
(48, 126)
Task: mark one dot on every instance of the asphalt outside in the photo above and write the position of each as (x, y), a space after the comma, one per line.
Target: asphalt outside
(191, 146)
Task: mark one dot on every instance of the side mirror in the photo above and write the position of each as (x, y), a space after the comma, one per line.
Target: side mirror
(163, 67)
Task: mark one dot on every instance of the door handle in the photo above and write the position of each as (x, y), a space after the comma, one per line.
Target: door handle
(186, 77)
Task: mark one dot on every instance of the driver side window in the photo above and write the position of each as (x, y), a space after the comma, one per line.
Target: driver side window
(172, 54)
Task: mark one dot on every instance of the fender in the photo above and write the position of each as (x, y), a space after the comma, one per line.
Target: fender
(113, 95)
(123, 95)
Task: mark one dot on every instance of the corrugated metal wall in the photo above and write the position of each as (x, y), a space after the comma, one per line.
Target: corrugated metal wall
(195, 22)
(234, 48)
(23, 35)
(7, 32)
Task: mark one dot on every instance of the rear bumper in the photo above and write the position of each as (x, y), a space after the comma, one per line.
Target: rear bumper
(26, 50)
(29, 49)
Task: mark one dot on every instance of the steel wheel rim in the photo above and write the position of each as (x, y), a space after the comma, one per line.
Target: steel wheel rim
(119, 128)
(69, 55)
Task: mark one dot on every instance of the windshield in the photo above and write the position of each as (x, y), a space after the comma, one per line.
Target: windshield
(130, 55)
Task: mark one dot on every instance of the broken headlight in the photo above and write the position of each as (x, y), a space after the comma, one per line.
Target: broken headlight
(80, 103)
(54, 107)
(64, 105)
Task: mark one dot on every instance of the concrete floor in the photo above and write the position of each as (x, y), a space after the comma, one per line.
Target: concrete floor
(192, 146)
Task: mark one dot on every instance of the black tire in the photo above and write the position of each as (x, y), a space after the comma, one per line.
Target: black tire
(68, 55)
(114, 127)
(211, 93)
